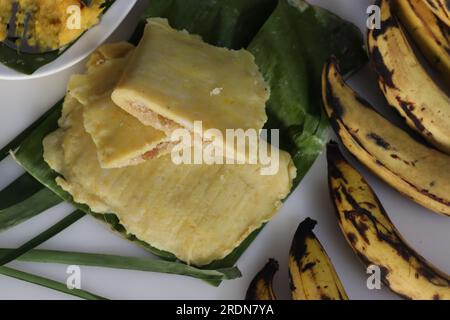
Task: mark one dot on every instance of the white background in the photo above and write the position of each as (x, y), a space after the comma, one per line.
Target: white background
(21, 102)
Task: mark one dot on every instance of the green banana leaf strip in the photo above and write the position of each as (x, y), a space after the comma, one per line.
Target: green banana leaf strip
(28, 63)
(126, 263)
(33, 199)
(25, 62)
(27, 185)
(15, 143)
(42, 237)
(48, 283)
(295, 106)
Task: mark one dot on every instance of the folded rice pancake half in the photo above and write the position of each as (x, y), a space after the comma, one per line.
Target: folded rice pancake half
(200, 213)
(175, 79)
(121, 139)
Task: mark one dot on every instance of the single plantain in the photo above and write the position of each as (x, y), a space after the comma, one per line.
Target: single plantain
(312, 275)
(261, 287)
(373, 237)
(441, 9)
(406, 84)
(428, 32)
(416, 170)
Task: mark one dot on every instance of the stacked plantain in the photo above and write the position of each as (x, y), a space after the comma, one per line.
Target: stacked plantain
(404, 81)
(415, 169)
(441, 8)
(419, 170)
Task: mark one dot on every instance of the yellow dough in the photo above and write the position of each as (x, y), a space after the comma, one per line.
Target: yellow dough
(200, 213)
(121, 139)
(175, 79)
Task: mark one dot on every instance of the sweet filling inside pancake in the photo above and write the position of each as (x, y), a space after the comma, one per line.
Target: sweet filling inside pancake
(121, 139)
(175, 79)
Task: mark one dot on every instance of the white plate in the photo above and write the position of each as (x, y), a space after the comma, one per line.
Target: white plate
(81, 48)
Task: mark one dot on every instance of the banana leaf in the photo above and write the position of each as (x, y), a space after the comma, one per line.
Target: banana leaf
(42, 237)
(300, 38)
(17, 207)
(290, 51)
(121, 262)
(48, 283)
(225, 23)
(33, 198)
(28, 63)
(15, 143)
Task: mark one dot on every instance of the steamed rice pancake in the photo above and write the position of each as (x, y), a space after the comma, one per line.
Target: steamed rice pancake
(200, 213)
(104, 69)
(121, 140)
(175, 79)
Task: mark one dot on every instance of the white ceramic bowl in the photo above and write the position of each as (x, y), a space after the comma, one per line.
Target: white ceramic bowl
(82, 47)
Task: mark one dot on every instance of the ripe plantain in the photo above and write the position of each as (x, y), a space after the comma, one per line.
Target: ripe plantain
(374, 238)
(311, 272)
(261, 287)
(441, 9)
(417, 171)
(406, 84)
(429, 33)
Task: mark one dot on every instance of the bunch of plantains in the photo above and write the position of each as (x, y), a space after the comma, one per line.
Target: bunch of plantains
(418, 167)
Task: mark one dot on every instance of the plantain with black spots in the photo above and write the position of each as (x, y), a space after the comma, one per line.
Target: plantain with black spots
(373, 237)
(441, 8)
(406, 84)
(312, 274)
(261, 287)
(416, 170)
(428, 32)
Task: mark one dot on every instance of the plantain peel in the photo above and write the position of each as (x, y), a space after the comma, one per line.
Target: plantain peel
(312, 274)
(417, 171)
(406, 84)
(441, 8)
(261, 287)
(373, 237)
(431, 36)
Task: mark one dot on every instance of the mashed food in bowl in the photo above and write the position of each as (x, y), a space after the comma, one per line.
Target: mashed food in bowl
(51, 23)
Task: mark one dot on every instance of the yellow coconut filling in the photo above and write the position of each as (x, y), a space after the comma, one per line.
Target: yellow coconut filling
(5, 13)
(52, 24)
